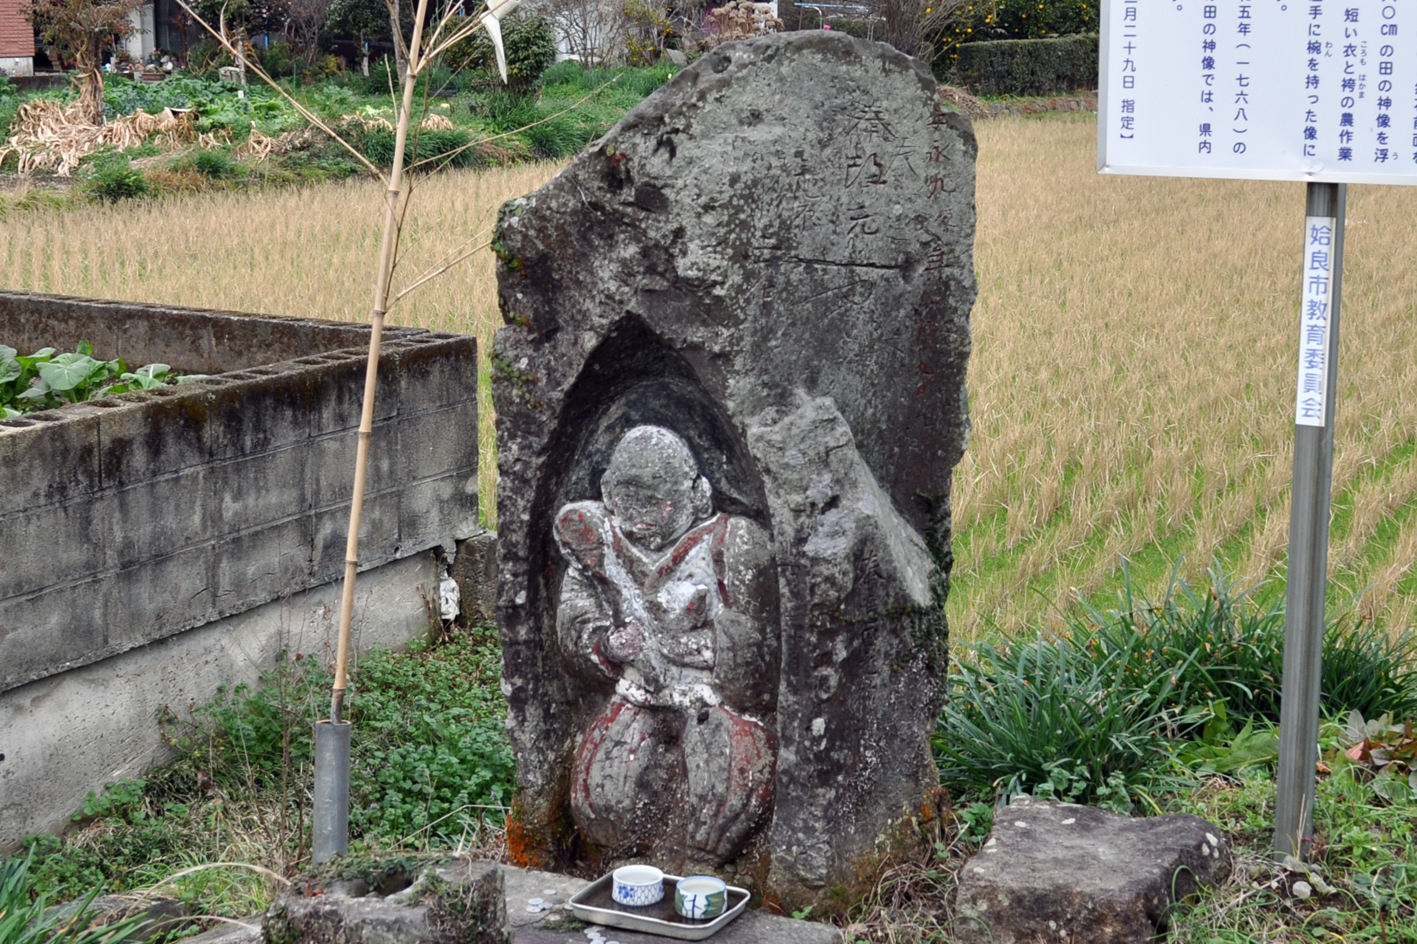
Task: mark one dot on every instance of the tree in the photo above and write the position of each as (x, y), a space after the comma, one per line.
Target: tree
(592, 31)
(364, 20)
(79, 29)
(914, 26)
(305, 22)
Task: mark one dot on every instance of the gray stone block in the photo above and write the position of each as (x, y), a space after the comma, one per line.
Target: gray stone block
(1058, 871)
(444, 438)
(176, 592)
(76, 452)
(331, 464)
(379, 534)
(256, 490)
(441, 502)
(64, 540)
(155, 517)
(52, 630)
(458, 903)
(243, 932)
(475, 570)
(263, 564)
(433, 376)
(337, 391)
(155, 436)
(260, 412)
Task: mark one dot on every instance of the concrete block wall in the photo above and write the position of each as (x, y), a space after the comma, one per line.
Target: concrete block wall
(140, 517)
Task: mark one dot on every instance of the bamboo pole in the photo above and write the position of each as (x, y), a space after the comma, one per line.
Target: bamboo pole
(382, 275)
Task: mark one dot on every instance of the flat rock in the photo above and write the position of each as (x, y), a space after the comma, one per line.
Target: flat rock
(244, 932)
(548, 892)
(448, 902)
(1058, 871)
(752, 927)
(158, 914)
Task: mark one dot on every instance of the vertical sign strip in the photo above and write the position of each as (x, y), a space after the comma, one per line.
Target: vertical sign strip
(1311, 394)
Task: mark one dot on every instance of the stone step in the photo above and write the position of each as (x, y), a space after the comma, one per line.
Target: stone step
(555, 925)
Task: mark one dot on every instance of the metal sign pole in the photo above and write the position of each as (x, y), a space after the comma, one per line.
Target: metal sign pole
(1309, 517)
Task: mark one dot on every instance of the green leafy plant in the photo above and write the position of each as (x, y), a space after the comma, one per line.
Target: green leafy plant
(530, 43)
(122, 799)
(432, 757)
(1237, 640)
(47, 379)
(23, 919)
(1230, 646)
(118, 181)
(1383, 748)
(217, 164)
(1368, 669)
(1062, 716)
(1221, 751)
(977, 821)
(250, 737)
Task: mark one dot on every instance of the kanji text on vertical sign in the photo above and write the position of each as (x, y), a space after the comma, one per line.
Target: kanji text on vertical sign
(1315, 309)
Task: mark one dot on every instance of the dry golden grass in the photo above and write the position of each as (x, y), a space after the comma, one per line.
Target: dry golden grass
(1131, 383)
(307, 252)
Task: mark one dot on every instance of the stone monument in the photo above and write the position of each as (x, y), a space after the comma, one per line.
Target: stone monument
(730, 395)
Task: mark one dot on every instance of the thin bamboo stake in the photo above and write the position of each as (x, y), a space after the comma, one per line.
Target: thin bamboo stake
(382, 276)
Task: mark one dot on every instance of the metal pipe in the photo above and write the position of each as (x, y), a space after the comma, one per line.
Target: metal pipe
(330, 823)
(1308, 570)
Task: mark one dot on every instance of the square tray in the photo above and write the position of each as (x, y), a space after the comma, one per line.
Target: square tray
(594, 904)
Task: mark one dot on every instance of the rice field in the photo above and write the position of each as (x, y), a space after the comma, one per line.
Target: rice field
(1131, 382)
(307, 252)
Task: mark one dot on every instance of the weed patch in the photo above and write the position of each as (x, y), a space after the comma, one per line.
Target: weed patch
(431, 769)
(1096, 712)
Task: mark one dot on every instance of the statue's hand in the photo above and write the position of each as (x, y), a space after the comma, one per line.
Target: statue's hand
(625, 642)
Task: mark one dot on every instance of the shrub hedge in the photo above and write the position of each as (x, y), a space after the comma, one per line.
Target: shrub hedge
(1022, 66)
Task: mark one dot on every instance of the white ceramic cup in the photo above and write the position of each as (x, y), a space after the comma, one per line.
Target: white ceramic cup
(637, 885)
(700, 897)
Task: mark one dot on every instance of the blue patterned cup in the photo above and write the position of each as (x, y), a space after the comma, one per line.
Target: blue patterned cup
(700, 897)
(637, 885)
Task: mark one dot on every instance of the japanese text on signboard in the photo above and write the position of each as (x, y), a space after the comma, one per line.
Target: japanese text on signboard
(1280, 89)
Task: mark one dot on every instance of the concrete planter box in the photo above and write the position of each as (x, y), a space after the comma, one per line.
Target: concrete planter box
(206, 516)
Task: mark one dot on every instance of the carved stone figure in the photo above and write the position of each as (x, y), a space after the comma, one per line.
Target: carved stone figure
(730, 395)
(668, 606)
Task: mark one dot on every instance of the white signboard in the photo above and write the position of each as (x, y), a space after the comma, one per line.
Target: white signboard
(1260, 89)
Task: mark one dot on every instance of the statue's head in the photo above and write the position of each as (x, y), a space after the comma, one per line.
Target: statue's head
(653, 488)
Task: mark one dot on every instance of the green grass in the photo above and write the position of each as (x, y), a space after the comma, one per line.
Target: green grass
(431, 769)
(1140, 706)
(1365, 850)
(1098, 710)
(23, 919)
(1171, 706)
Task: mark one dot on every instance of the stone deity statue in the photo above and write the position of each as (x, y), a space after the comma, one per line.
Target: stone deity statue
(671, 610)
